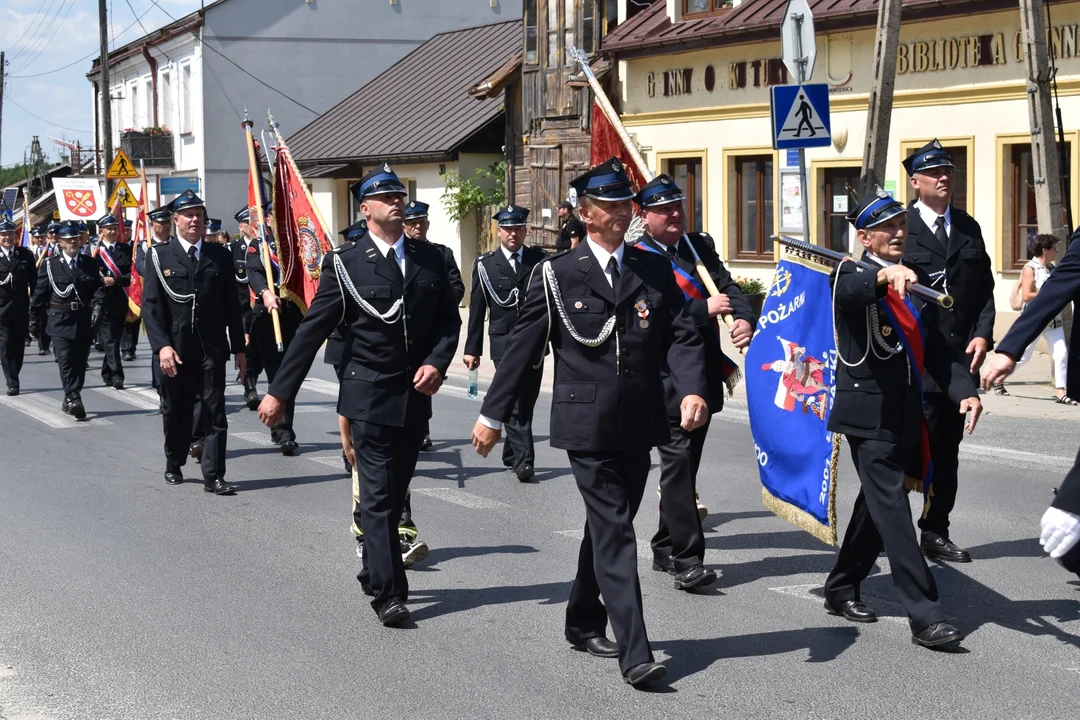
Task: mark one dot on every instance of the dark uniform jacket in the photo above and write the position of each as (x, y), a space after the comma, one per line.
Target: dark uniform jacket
(456, 283)
(17, 277)
(503, 280)
(216, 322)
(256, 274)
(377, 367)
(871, 397)
(699, 311)
(601, 404)
(239, 249)
(115, 299)
(572, 228)
(140, 255)
(966, 275)
(68, 317)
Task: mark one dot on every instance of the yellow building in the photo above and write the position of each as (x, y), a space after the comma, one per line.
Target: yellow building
(694, 92)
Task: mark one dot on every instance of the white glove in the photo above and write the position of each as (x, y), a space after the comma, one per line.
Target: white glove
(1060, 531)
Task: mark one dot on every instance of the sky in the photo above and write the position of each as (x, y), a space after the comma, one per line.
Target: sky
(43, 36)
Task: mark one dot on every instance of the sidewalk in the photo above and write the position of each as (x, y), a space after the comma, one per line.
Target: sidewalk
(1031, 392)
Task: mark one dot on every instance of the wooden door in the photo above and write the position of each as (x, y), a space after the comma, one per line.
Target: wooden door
(545, 168)
(839, 193)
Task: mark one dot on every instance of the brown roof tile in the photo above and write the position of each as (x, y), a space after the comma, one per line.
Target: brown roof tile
(419, 107)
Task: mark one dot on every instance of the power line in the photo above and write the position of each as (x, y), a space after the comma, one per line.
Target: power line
(137, 18)
(36, 22)
(54, 27)
(38, 117)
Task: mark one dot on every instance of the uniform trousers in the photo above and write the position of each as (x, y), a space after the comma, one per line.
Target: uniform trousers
(611, 484)
(13, 337)
(263, 334)
(882, 517)
(679, 534)
(253, 358)
(518, 448)
(946, 426)
(43, 339)
(111, 335)
(385, 460)
(198, 379)
(72, 357)
(130, 338)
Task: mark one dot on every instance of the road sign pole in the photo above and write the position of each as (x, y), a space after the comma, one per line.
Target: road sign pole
(804, 183)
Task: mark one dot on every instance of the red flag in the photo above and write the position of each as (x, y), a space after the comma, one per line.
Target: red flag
(606, 144)
(302, 237)
(141, 235)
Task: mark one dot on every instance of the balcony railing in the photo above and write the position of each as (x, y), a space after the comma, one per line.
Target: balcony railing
(155, 150)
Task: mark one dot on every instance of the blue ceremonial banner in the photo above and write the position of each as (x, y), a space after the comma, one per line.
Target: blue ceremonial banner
(790, 378)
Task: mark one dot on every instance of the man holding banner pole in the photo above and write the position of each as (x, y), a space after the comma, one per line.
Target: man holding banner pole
(885, 345)
(114, 264)
(679, 543)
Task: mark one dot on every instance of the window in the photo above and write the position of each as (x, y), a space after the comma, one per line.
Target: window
(588, 26)
(839, 194)
(959, 155)
(1025, 221)
(133, 97)
(754, 207)
(552, 59)
(687, 174)
(568, 31)
(148, 95)
(701, 7)
(185, 99)
(530, 32)
(166, 87)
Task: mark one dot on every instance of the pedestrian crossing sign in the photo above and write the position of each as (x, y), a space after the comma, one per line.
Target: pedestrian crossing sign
(800, 116)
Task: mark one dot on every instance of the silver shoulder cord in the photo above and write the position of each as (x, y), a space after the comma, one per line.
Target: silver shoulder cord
(874, 338)
(552, 293)
(485, 281)
(70, 288)
(176, 297)
(391, 316)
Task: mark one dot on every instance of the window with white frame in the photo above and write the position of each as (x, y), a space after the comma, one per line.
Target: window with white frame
(133, 104)
(148, 95)
(166, 88)
(185, 99)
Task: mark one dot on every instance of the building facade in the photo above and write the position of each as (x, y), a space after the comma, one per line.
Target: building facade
(197, 76)
(695, 94)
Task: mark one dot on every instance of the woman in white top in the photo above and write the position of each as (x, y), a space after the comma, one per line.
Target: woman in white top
(1033, 276)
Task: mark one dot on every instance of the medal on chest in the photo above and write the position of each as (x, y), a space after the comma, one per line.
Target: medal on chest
(642, 309)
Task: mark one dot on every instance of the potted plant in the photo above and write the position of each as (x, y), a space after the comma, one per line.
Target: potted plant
(754, 292)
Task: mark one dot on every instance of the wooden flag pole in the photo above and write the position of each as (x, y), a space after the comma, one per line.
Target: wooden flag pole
(267, 267)
(296, 171)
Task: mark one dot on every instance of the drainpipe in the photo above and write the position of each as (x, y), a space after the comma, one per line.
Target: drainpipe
(152, 62)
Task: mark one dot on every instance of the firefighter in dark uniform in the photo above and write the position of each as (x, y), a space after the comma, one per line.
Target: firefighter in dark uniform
(50, 246)
(114, 263)
(679, 543)
(878, 407)
(17, 278)
(160, 232)
(947, 244)
(193, 324)
(239, 248)
(262, 331)
(69, 291)
(499, 281)
(612, 315)
(335, 343)
(416, 228)
(39, 248)
(396, 297)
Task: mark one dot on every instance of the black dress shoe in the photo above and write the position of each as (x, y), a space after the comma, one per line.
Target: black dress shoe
(118, 384)
(936, 547)
(42, 352)
(219, 487)
(393, 612)
(99, 347)
(66, 406)
(288, 447)
(13, 390)
(77, 410)
(936, 635)
(597, 646)
(645, 674)
(852, 610)
(525, 473)
(128, 357)
(426, 445)
(664, 564)
(696, 577)
(174, 477)
(196, 451)
(251, 398)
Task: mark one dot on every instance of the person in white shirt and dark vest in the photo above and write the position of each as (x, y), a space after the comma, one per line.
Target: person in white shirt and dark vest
(69, 291)
(613, 318)
(888, 350)
(114, 264)
(947, 244)
(499, 281)
(193, 323)
(17, 278)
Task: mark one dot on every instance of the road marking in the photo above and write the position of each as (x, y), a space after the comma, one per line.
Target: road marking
(459, 392)
(459, 497)
(311, 409)
(324, 387)
(1022, 458)
(45, 411)
(131, 397)
(333, 461)
(644, 548)
(257, 438)
(896, 611)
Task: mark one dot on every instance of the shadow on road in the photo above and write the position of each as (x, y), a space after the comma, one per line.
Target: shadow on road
(440, 555)
(795, 540)
(714, 520)
(243, 486)
(304, 448)
(780, 567)
(445, 602)
(1028, 547)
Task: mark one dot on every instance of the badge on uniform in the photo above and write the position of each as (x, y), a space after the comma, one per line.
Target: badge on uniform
(252, 250)
(167, 272)
(642, 309)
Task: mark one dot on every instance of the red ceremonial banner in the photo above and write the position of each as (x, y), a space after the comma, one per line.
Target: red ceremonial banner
(302, 238)
(607, 144)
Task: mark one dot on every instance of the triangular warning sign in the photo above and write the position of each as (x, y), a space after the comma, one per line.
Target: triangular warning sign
(129, 200)
(803, 121)
(121, 168)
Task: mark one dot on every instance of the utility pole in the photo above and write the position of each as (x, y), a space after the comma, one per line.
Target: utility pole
(104, 94)
(1045, 161)
(879, 113)
(3, 77)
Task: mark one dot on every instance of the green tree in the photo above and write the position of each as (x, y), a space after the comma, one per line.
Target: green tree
(464, 196)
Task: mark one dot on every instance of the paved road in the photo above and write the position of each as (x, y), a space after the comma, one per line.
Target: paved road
(121, 597)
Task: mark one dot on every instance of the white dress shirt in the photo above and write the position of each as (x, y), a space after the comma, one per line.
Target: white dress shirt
(929, 217)
(186, 246)
(512, 257)
(384, 247)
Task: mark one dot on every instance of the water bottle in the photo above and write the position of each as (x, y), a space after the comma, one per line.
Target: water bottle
(474, 383)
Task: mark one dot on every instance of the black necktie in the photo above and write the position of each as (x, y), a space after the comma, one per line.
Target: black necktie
(193, 253)
(673, 253)
(517, 264)
(613, 269)
(391, 256)
(939, 232)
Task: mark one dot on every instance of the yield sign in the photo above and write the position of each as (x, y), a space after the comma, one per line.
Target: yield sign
(121, 168)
